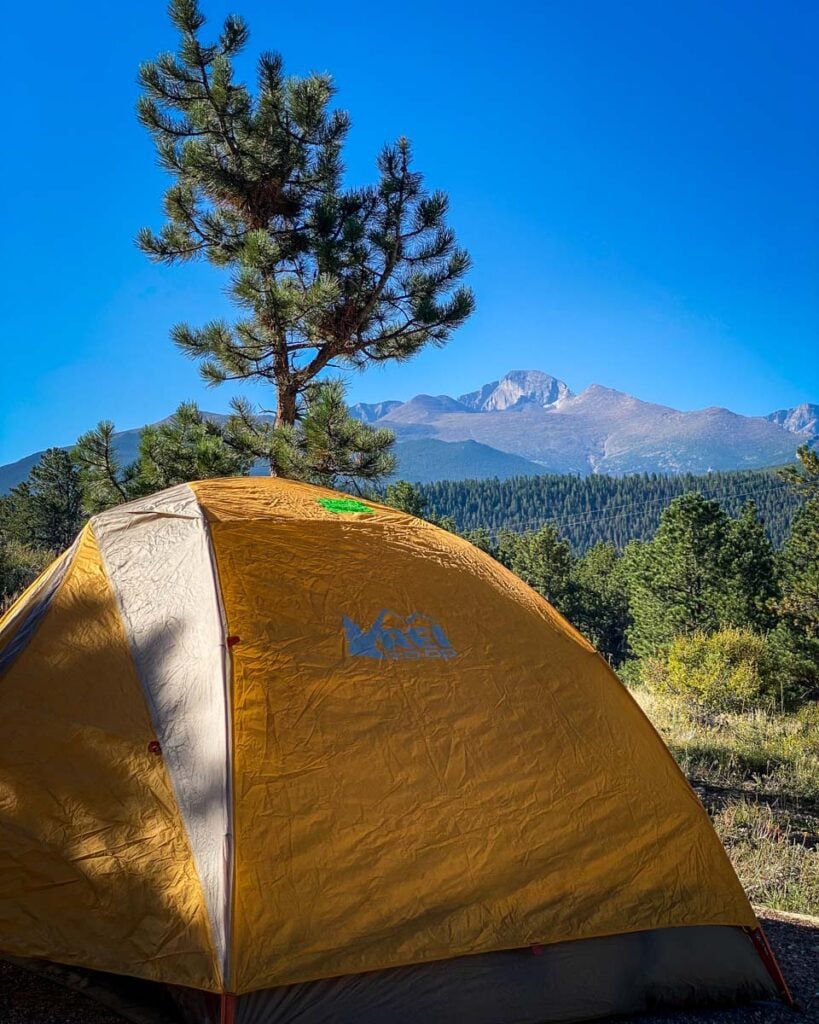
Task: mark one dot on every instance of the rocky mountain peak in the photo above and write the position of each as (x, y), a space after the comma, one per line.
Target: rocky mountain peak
(516, 389)
(801, 419)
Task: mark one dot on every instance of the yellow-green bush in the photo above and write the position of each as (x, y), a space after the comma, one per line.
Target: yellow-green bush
(729, 670)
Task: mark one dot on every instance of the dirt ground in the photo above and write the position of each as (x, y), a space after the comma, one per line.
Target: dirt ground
(27, 998)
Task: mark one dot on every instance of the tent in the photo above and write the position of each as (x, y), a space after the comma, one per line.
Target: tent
(307, 758)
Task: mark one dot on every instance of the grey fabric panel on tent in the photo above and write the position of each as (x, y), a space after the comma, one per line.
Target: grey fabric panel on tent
(570, 981)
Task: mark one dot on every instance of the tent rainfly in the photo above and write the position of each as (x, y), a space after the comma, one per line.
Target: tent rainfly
(306, 758)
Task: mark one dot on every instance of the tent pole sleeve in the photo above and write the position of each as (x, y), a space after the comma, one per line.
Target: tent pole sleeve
(229, 838)
(766, 955)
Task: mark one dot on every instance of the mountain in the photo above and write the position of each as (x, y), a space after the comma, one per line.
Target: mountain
(423, 409)
(15, 472)
(126, 443)
(529, 422)
(516, 390)
(370, 412)
(536, 417)
(801, 419)
(427, 460)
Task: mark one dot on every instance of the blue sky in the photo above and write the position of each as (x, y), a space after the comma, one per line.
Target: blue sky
(636, 182)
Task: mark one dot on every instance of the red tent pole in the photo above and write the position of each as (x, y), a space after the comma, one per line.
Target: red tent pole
(766, 955)
(227, 1009)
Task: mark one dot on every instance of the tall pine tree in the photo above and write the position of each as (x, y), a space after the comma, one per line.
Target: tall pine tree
(325, 276)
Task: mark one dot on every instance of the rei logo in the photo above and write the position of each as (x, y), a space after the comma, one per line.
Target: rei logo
(397, 636)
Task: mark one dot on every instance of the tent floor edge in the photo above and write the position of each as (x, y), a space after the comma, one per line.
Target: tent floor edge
(673, 969)
(768, 958)
(655, 971)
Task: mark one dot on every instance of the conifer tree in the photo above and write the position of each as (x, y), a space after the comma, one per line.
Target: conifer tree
(406, 497)
(544, 560)
(481, 538)
(325, 446)
(105, 481)
(326, 276)
(799, 604)
(39, 518)
(330, 447)
(800, 598)
(804, 478)
(45, 511)
(751, 578)
(598, 602)
(20, 565)
(506, 547)
(676, 580)
(187, 446)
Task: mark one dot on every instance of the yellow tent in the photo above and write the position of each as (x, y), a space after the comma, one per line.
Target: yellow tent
(263, 741)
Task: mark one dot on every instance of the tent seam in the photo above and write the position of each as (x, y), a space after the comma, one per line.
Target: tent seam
(227, 690)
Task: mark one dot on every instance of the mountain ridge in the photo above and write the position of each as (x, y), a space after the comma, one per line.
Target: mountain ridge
(537, 417)
(529, 422)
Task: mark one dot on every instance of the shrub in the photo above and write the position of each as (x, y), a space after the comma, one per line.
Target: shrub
(728, 670)
(20, 565)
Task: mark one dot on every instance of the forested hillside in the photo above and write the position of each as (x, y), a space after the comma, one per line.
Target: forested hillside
(604, 508)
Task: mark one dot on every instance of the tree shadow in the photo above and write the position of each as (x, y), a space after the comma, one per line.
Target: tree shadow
(86, 814)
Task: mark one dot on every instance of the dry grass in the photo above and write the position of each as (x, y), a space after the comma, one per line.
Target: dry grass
(777, 860)
(757, 774)
(756, 749)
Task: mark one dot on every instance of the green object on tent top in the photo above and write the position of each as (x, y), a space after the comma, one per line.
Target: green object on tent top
(342, 505)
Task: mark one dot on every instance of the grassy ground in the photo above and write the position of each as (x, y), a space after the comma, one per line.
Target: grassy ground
(758, 776)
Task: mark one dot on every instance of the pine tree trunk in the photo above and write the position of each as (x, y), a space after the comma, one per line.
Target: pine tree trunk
(285, 413)
(286, 407)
